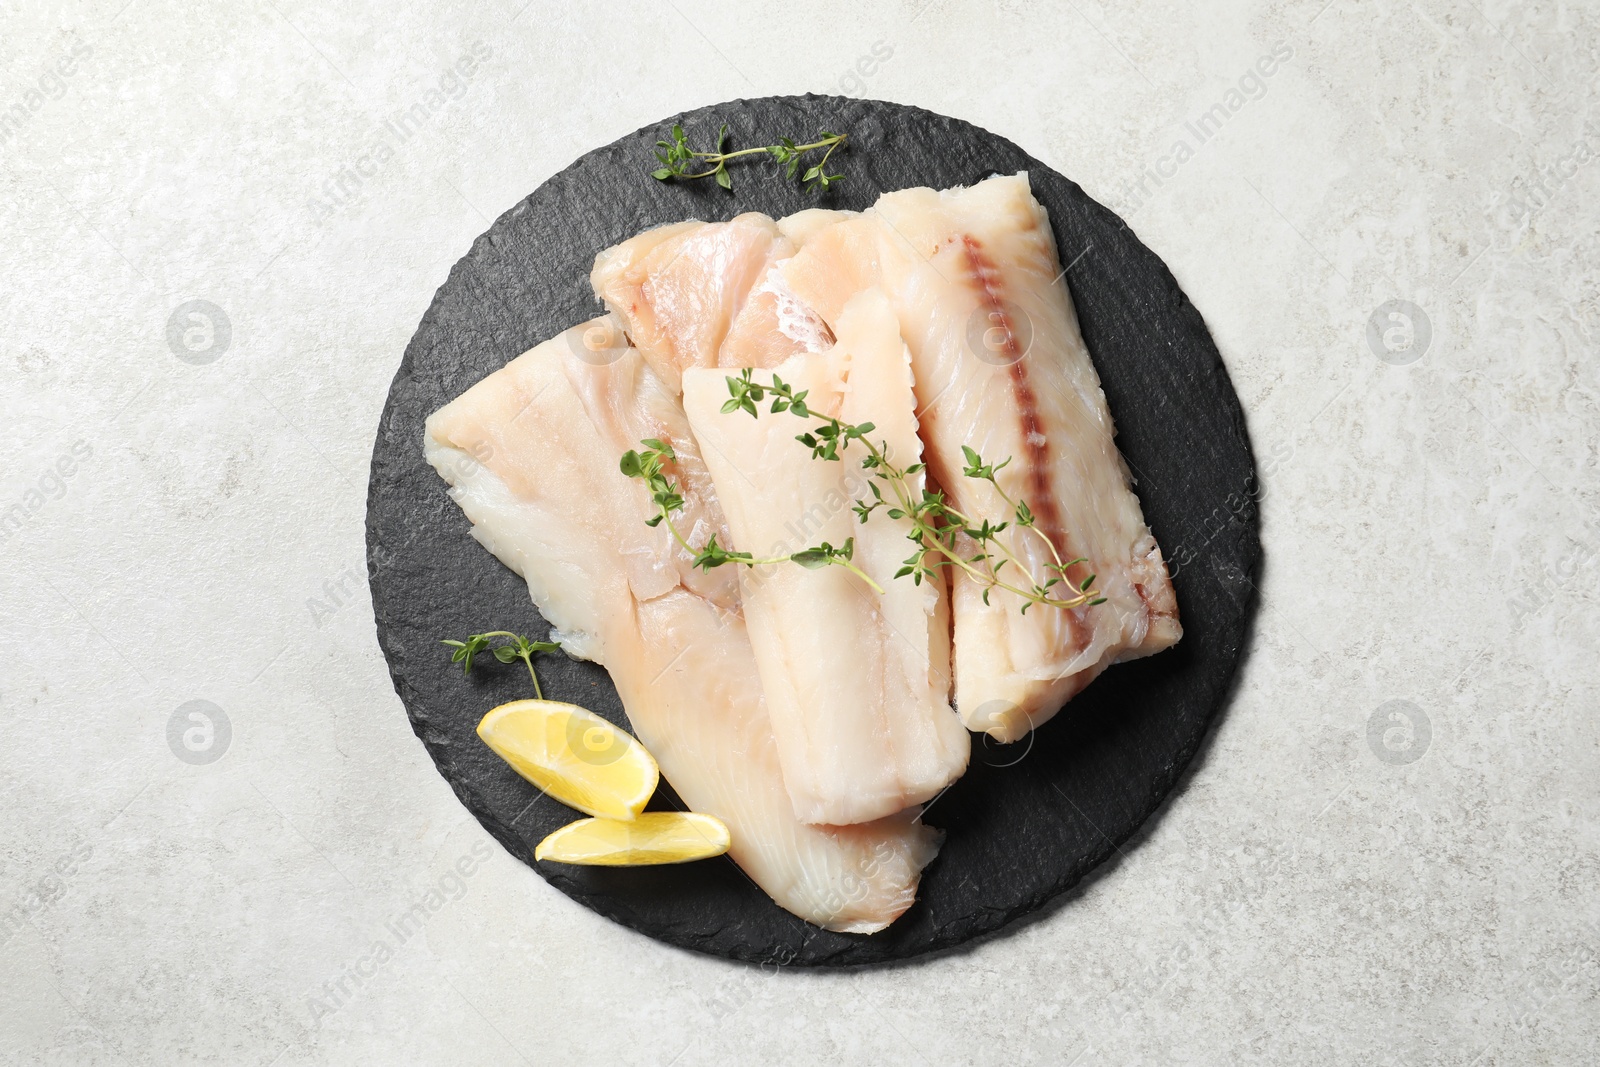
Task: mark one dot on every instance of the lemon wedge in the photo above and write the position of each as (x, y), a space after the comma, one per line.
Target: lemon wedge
(574, 755)
(653, 837)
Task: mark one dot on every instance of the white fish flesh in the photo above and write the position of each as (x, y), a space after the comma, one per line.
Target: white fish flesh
(531, 455)
(705, 294)
(857, 681)
(1000, 366)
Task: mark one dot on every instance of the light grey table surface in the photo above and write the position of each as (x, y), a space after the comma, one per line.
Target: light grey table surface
(1387, 854)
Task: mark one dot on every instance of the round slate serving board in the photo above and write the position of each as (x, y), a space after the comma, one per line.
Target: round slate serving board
(1028, 820)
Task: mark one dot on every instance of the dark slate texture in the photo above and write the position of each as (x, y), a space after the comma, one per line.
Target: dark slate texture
(1028, 821)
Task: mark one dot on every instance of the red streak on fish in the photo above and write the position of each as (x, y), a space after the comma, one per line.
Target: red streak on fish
(986, 279)
(1041, 499)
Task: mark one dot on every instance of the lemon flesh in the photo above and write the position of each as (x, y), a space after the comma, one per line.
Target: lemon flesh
(653, 837)
(574, 755)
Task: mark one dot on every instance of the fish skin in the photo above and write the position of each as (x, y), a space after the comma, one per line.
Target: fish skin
(857, 681)
(538, 477)
(1001, 366)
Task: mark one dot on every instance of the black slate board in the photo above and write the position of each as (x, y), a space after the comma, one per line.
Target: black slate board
(1029, 820)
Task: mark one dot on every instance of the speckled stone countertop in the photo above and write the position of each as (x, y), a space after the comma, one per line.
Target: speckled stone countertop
(223, 842)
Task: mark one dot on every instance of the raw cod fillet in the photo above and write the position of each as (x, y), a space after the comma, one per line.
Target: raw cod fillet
(1000, 366)
(708, 294)
(531, 455)
(857, 682)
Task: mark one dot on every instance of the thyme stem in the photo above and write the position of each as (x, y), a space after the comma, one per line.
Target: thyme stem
(519, 647)
(676, 158)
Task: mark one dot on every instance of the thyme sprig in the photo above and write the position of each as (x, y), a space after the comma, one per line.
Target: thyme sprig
(680, 162)
(936, 527)
(518, 647)
(650, 465)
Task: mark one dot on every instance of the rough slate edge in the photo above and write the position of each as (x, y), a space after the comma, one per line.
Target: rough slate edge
(1237, 558)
